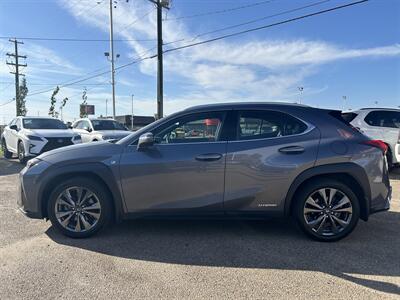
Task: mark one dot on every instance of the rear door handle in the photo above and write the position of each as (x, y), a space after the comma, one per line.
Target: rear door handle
(292, 150)
(208, 157)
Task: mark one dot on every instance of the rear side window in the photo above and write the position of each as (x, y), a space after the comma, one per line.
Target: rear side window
(348, 117)
(381, 118)
(267, 124)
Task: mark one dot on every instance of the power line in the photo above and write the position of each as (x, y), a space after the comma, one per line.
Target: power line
(77, 39)
(261, 19)
(208, 41)
(215, 12)
(266, 26)
(8, 102)
(93, 76)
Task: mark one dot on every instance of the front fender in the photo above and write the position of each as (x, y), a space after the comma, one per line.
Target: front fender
(96, 170)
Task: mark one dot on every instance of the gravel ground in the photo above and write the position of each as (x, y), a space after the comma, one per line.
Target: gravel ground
(195, 259)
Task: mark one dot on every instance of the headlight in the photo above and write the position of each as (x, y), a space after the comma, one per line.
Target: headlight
(105, 137)
(76, 138)
(34, 138)
(32, 162)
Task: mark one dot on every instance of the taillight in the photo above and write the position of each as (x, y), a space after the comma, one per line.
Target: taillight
(377, 144)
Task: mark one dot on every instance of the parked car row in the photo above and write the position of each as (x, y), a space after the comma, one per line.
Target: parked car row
(381, 124)
(28, 137)
(242, 160)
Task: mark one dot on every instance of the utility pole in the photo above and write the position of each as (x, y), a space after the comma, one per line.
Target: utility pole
(16, 64)
(132, 114)
(106, 108)
(160, 85)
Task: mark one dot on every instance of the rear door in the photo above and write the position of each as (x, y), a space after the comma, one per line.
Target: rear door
(270, 150)
(183, 172)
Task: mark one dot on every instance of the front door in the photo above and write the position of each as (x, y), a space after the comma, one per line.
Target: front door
(182, 173)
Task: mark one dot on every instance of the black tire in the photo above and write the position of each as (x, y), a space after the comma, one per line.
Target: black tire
(327, 185)
(21, 152)
(7, 154)
(103, 197)
(389, 159)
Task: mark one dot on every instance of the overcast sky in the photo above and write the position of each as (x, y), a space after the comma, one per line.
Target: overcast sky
(354, 52)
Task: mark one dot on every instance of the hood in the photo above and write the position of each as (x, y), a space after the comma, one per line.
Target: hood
(81, 153)
(50, 132)
(114, 133)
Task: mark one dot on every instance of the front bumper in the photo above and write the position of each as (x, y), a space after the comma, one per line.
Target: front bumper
(28, 190)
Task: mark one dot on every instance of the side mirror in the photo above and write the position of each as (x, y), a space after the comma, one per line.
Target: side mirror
(89, 129)
(14, 127)
(145, 140)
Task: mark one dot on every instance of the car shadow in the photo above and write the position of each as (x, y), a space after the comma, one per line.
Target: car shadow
(373, 249)
(10, 166)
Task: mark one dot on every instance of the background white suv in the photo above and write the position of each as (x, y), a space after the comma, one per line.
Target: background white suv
(93, 130)
(31, 136)
(381, 124)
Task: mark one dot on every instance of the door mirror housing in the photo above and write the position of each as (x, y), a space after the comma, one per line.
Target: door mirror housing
(14, 127)
(146, 140)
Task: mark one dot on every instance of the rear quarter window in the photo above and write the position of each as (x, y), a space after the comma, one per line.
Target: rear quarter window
(349, 117)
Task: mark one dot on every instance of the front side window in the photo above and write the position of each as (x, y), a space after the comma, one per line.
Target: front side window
(267, 124)
(198, 128)
(36, 123)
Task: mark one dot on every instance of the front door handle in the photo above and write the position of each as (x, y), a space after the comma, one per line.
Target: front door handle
(292, 150)
(208, 157)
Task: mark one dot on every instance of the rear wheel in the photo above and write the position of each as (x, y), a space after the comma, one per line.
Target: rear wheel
(21, 152)
(327, 210)
(7, 154)
(79, 207)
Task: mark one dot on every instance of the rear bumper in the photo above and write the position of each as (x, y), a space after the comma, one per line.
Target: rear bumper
(382, 204)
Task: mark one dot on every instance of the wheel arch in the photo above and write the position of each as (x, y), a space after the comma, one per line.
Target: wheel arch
(350, 174)
(96, 172)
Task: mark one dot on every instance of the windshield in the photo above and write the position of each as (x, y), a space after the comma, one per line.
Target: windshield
(43, 124)
(107, 125)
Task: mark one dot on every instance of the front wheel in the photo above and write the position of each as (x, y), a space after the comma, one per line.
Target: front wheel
(327, 210)
(21, 153)
(7, 154)
(79, 207)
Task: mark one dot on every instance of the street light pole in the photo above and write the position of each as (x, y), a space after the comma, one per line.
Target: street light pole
(106, 108)
(301, 93)
(112, 57)
(132, 114)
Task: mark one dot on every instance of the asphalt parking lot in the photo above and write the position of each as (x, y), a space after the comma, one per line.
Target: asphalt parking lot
(195, 259)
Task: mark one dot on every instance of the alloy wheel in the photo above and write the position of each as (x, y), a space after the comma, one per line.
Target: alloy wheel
(328, 211)
(77, 209)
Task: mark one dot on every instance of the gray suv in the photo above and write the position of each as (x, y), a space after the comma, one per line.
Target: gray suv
(249, 160)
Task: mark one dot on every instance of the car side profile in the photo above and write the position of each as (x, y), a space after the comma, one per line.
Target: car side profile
(28, 137)
(242, 160)
(93, 130)
(382, 124)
